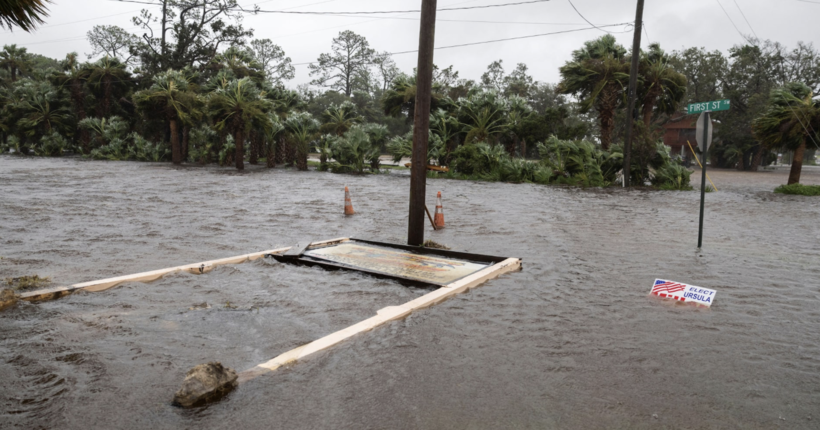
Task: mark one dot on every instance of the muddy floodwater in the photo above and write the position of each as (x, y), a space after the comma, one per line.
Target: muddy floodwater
(573, 341)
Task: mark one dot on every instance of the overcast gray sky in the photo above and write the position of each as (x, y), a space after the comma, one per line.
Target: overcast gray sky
(675, 24)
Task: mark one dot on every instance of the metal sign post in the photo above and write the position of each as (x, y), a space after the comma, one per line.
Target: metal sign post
(704, 138)
(703, 144)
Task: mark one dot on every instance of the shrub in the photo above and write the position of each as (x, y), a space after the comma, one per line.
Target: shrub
(202, 143)
(14, 145)
(116, 149)
(477, 158)
(799, 189)
(672, 176)
(144, 150)
(324, 147)
(228, 149)
(52, 145)
(352, 150)
(579, 162)
(402, 147)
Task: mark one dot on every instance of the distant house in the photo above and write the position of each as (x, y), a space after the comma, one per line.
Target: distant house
(681, 129)
(677, 132)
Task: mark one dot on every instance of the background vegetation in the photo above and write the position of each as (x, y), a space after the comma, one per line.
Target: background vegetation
(198, 88)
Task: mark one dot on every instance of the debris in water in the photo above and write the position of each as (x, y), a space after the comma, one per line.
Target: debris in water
(203, 305)
(7, 298)
(434, 245)
(28, 282)
(205, 383)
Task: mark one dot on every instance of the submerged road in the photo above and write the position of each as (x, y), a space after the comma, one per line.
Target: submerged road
(572, 342)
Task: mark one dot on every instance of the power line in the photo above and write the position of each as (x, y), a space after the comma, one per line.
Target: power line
(85, 20)
(293, 12)
(584, 18)
(463, 20)
(747, 21)
(733, 23)
(806, 129)
(493, 41)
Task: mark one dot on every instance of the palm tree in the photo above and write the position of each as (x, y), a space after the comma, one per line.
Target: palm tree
(520, 111)
(483, 115)
(25, 14)
(400, 98)
(41, 109)
(340, 118)
(272, 135)
(15, 60)
(74, 77)
(105, 130)
(661, 85)
(597, 75)
(302, 128)
(108, 73)
(235, 108)
(792, 119)
(241, 63)
(353, 149)
(446, 127)
(170, 97)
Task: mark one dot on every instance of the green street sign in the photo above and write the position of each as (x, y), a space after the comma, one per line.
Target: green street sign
(715, 106)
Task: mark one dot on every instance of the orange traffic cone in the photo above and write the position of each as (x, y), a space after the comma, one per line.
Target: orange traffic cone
(348, 204)
(439, 216)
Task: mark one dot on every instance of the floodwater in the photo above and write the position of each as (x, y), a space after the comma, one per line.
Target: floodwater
(572, 341)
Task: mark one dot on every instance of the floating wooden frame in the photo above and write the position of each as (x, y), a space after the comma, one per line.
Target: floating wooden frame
(490, 267)
(495, 266)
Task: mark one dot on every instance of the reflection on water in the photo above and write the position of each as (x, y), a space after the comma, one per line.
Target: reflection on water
(573, 341)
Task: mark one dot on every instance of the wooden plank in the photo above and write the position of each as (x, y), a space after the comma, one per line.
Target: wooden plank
(432, 167)
(196, 268)
(433, 223)
(104, 284)
(383, 316)
(294, 252)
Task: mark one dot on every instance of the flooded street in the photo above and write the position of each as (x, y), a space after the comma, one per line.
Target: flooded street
(573, 341)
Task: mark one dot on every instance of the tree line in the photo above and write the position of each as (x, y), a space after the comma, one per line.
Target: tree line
(198, 87)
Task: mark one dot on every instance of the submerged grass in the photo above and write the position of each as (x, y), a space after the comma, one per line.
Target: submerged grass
(799, 189)
(32, 282)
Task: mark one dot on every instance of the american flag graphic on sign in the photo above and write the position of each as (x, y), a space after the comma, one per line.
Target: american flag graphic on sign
(683, 292)
(667, 287)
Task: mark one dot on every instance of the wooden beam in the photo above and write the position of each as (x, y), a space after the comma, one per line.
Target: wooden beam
(382, 316)
(153, 275)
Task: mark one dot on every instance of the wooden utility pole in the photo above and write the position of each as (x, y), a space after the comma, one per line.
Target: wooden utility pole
(633, 88)
(421, 123)
(162, 43)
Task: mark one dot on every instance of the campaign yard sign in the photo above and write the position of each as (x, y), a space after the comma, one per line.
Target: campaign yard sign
(683, 292)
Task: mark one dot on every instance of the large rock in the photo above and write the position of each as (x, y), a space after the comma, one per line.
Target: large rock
(205, 383)
(7, 298)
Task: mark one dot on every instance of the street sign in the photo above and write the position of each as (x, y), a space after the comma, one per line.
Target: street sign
(703, 119)
(715, 106)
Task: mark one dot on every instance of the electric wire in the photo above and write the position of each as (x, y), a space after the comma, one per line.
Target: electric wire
(733, 23)
(492, 41)
(354, 12)
(811, 135)
(85, 20)
(584, 18)
(747, 21)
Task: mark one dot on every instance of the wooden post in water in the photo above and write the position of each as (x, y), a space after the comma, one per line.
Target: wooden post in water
(421, 123)
(633, 88)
